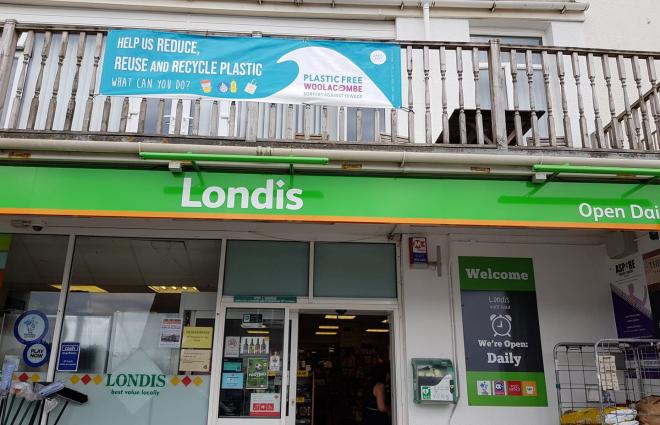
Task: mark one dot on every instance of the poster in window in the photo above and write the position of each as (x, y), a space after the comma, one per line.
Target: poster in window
(265, 404)
(170, 333)
(193, 360)
(232, 346)
(255, 346)
(257, 373)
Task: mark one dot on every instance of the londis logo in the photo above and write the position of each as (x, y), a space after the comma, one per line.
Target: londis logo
(272, 196)
(135, 380)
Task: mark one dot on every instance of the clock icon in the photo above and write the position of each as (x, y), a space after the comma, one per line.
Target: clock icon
(501, 324)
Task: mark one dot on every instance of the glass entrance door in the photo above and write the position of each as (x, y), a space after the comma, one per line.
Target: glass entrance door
(255, 366)
(341, 368)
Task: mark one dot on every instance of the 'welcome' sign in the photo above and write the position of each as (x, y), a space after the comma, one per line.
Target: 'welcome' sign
(501, 332)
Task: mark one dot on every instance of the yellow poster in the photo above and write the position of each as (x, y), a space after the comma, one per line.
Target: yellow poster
(197, 337)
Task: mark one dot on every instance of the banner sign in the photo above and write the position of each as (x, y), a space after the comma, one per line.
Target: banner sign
(277, 70)
(99, 192)
(630, 299)
(504, 362)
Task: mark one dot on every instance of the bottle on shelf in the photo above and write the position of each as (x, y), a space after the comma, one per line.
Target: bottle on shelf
(251, 347)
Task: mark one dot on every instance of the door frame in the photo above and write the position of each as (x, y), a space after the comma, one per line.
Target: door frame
(289, 361)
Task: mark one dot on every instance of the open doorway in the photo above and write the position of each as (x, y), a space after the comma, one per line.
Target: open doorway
(341, 359)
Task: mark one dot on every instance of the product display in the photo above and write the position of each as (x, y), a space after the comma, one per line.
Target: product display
(648, 410)
(610, 382)
(593, 416)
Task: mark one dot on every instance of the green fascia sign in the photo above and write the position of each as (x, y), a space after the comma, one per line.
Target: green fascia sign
(104, 192)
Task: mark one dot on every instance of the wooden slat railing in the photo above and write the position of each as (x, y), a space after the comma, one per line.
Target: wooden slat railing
(527, 96)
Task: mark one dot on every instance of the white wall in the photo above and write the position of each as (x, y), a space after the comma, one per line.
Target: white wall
(294, 26)
(574, 304)
(622, 24)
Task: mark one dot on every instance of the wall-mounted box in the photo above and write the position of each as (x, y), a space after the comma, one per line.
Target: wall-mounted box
(434, 381)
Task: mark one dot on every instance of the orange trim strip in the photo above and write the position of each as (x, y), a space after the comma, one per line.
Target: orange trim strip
(328, 219)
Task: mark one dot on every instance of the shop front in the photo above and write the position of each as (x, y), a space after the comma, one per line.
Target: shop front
(222, 298)
(148, 330)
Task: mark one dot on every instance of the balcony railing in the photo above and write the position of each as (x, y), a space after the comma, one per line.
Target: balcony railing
(474, 94)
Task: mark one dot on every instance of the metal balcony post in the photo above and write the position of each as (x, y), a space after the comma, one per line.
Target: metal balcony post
(497, 95)
(8, 49)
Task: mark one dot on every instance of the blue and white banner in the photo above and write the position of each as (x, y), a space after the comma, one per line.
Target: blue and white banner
(341, 73)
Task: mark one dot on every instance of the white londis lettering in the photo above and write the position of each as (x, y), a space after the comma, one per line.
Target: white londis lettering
(272, 195)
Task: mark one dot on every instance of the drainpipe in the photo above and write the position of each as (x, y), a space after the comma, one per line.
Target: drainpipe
(427, 20)
(338, 155)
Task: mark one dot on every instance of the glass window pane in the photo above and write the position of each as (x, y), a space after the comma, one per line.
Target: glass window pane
(355, 270)
(266, 268)
(251, 384)
(138, 330)
(32, 266)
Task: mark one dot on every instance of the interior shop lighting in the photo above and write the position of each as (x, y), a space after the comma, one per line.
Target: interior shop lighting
(385, 321)
(172, 289)
(378, 330)
(83, 288)
(585, 169)
(258, 332)
(325, 333)
(328, 327)
(340, 317)
(189, 156)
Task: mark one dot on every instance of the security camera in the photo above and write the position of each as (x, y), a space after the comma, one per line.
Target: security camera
(38, 225)
(35, 225)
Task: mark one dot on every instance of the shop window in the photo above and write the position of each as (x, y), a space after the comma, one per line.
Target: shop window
(138, 330)
(267, 268)
(31, 269)
(355, 270)
(252, 367)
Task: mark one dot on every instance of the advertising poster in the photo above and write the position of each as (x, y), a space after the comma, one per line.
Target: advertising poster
(232, 346)
(30, 327)
(652, 274)
(193, 360)
(257, 373)
(277, 70)
(255, 346)
(197, 337)
(265, 404)
(630, 298)
(170, 333)
(36, 354)
(5, 242)
(232, 381)
(69, 357)
(501, 332)
(232, 366)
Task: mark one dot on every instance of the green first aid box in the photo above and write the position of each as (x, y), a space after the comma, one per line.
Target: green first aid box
(434, 381)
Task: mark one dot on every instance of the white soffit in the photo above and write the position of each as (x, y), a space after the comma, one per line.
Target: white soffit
(347, 9)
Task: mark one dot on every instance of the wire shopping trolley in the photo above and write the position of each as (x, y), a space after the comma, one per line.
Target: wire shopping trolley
(612, 381)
